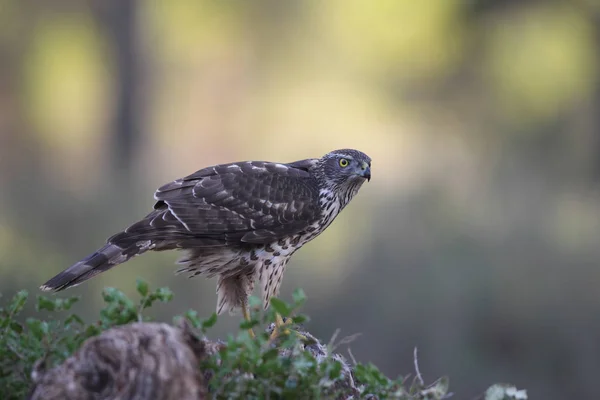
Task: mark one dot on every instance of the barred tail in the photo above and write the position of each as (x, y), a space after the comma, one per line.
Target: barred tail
(102, 260)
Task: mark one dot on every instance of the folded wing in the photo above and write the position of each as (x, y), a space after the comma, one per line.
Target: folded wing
(251, 202)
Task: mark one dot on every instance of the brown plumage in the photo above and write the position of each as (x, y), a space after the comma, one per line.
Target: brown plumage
(240, 221)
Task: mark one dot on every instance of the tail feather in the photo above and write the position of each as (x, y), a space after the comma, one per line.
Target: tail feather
(102, 260)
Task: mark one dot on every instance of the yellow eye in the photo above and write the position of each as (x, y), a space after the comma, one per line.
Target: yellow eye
(343, 162)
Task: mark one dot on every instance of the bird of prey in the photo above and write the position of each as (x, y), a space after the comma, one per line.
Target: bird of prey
(240, 221)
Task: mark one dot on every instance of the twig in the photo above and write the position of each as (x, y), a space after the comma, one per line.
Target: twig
(332, 345)
(16, 352)
(352, 356)
(141, 308)
(416, 360)
(348, 339)
(333, 337)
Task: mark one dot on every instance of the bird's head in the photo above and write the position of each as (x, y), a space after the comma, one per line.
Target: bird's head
(345, 170)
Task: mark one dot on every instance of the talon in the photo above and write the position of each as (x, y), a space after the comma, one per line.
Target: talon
(280, 328)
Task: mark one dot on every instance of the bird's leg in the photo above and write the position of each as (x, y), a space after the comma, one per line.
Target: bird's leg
(247, 317)
(280, 327)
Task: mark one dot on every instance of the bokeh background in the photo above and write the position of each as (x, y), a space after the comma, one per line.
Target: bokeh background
(477, 239)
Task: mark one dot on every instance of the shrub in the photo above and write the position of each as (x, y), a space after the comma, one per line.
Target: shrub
(243, 367)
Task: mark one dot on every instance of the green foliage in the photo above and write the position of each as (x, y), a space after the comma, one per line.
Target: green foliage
(23, 341)
(257, 368)
(291, 366)
(505, 391)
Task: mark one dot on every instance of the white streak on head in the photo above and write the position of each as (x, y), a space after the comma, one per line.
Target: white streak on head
(234, 166)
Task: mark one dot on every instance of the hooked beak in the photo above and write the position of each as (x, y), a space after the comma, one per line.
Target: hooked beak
(365, 171)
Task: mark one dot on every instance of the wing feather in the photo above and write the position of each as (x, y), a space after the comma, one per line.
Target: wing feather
(251, 202)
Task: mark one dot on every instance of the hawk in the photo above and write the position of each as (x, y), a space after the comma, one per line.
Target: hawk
(240, 221)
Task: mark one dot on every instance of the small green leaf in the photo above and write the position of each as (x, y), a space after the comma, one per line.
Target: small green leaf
(208, 323)
(16, 327)
(92, 330)
(45, 327)
(147, 302)
(164, 294)
(270, 354)
(142, 287)
(248, 324)
(336, 370)
(281, 307)
(67, 303)
(73, 319)
(44, 303)
(504, 391)
(254, 302)
(192, 316)
(18, 301)
(299, 297)
(110, 294)
(299, 319)
(36, 328)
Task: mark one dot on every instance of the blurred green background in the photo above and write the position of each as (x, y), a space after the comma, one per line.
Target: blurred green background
(477, 239)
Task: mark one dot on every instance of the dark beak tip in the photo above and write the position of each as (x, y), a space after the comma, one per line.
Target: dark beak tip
(365, 172)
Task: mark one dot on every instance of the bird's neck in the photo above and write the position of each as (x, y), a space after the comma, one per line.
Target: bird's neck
(331, 205)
